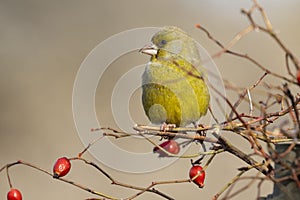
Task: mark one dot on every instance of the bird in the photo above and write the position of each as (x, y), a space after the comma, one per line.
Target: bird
(174, 91)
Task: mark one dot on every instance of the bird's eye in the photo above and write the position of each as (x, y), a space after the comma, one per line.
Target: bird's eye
(163, 42)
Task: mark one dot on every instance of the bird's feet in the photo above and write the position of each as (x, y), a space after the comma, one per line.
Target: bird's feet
(200, 132)
(167, 127)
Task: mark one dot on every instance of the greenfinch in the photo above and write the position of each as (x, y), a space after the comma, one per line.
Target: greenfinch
(173, 89)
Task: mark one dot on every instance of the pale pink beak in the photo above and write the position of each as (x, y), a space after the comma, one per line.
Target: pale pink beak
(150, 49)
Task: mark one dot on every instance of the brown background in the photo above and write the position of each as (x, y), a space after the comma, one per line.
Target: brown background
(42, 46)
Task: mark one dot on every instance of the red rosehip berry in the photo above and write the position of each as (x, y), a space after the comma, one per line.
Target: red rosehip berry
(298, 76)
(194, 171)
(61, 167)
(170, 146)
(14, 194)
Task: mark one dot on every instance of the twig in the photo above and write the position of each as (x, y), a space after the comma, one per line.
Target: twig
(59, 178)
(115, 182)
(245, 56)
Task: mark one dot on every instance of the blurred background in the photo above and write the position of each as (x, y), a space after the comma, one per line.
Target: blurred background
(43, 44)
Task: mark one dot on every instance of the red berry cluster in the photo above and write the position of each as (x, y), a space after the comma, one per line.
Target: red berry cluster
(61, 167)
(197, 175)
(170, 146)
(14, 194)
(298, 76)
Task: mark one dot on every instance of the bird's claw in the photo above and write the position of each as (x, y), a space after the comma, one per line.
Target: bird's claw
(167, 127)
(202, 133)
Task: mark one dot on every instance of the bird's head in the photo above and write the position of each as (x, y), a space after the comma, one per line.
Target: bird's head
(171, 42)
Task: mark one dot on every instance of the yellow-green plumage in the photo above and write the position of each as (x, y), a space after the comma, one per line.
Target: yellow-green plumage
(173, 91)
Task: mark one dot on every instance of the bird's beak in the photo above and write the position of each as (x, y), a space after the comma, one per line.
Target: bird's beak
(150, 49)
